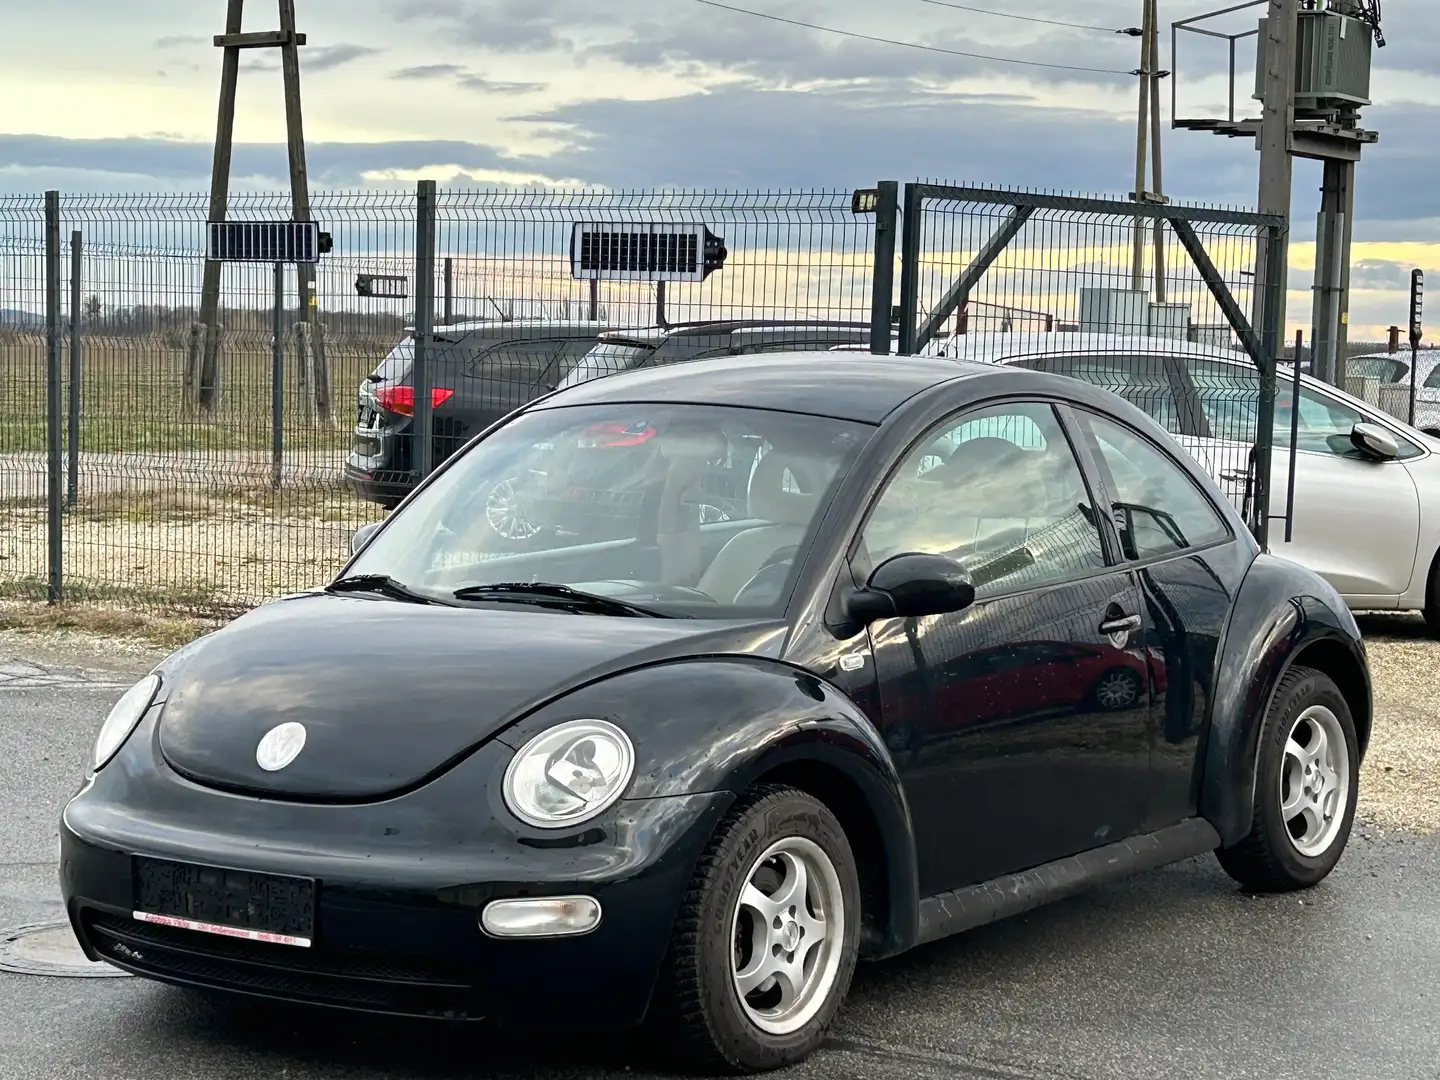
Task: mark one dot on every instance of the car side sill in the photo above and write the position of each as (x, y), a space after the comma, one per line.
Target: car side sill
(975, 905)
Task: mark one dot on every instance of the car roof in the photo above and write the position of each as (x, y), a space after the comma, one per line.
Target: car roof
(998, 347)
(519, 329)
(651, 336)
(849, 386)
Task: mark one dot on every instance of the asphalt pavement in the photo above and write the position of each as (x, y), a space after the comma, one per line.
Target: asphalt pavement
(1173, 974)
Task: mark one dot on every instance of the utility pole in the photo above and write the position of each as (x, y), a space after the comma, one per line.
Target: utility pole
(1149, 151)
(1277, 123)
(203, 367)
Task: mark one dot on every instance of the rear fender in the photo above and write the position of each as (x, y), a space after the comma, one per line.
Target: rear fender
(725, 724)
(1282, 613)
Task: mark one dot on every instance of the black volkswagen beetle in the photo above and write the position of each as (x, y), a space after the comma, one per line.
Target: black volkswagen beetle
(978, 638)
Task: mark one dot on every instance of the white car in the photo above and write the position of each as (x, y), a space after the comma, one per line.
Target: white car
(1367, 486)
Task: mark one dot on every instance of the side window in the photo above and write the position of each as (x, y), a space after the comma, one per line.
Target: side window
(519, 362)
(1229, 398)
(1325, 424)
(1141, 380)
(1432, 381)
(1158, 510)
(998, 489)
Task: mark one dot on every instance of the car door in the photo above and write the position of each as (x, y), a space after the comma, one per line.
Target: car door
(1008, 760)
(1357, 520)
(1190, 565)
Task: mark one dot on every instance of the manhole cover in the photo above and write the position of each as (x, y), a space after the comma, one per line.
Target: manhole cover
(50, 949)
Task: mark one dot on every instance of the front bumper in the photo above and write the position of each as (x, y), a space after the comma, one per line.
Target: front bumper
(401, 886)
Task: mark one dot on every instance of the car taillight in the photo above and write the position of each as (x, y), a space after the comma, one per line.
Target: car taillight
(610, 436)
(401, 399)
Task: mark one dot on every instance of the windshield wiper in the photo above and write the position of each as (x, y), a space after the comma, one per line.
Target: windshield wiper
(542, 592)
(383, 584)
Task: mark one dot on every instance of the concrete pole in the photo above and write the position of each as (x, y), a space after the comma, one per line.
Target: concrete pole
(1275, 143)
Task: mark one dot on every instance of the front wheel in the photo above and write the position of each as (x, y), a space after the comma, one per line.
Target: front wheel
(765, 943)
(1307, 782)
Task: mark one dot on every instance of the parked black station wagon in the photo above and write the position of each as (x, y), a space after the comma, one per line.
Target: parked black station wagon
(978, 638)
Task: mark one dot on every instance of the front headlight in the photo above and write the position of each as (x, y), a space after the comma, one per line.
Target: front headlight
(122, 720)
(569, 774)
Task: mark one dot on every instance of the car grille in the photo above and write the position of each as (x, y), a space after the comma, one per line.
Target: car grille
(339, 978)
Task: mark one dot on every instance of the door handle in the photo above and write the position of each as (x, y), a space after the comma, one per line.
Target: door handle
(1127, 624)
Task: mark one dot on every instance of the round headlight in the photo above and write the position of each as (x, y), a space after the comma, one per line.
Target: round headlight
(122, 720)
(569, 774)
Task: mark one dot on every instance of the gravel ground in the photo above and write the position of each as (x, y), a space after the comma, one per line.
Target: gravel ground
(1397, 786)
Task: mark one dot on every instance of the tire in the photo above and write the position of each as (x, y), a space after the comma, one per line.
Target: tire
(1432, 600)
(1272, 858)
(698, 1010)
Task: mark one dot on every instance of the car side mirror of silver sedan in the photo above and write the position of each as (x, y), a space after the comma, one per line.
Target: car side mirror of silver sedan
(1375, 441)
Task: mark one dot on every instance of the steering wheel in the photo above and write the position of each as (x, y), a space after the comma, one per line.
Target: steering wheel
(767, 582)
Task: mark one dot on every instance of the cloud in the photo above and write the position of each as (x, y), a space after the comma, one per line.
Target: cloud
(483, 85)
(1379, 274)
(176, 41)
(429, 71)
(328, 57)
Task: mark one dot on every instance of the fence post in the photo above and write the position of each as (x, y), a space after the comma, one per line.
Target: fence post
(449, 316)
(910, 269)
(422, 420)
(53, 433)
(882, 297)
(1270, 335)
(72, 429)
(277, 381)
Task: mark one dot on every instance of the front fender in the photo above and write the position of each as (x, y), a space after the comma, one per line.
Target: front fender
(1281, 611)
(723, 724)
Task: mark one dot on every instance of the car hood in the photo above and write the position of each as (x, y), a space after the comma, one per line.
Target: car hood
(390, 693)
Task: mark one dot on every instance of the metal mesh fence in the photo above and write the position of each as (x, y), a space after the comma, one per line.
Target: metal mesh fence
(1157, 304)
(192, 485)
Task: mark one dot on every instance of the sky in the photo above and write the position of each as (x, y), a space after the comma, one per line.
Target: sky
(646, 93)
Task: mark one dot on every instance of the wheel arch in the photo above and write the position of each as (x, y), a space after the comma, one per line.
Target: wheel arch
(728, 723)
(880, 896)
(1283, 617)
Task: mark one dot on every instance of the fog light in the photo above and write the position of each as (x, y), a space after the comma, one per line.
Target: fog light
(553, 916)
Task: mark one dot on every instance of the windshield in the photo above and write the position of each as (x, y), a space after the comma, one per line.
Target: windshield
(687, 510)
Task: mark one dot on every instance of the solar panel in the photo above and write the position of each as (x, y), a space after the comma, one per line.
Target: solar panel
(266, 241)
(644, 252)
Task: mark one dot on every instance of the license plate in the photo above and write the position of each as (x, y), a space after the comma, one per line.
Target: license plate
(229, 903)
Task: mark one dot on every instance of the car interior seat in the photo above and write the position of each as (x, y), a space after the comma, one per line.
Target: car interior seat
(787, 514)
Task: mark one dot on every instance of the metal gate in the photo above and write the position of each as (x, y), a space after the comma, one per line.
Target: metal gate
(1166, 305)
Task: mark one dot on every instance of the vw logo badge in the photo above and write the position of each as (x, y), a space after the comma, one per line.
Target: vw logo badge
(280, 747)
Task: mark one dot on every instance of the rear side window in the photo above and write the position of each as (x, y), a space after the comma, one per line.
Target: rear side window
(1143, 381)
(524, 362)
(1158, 508)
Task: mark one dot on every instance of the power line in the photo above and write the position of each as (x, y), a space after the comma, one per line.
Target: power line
(911, 44)
(1132, 31)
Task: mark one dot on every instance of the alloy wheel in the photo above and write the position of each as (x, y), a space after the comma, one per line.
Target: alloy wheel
(1314, 781)
(503, 512)
(788, 932)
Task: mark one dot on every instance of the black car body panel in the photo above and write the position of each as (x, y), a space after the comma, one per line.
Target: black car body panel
(1280, 619)
(929, 759)
(401, 886)
(353, 669)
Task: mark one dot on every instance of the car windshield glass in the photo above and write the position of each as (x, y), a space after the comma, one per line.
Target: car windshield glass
(689, 511)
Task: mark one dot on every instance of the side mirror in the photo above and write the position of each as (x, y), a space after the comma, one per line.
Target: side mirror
(1375, 441)
(912, 586)
(362, 536)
